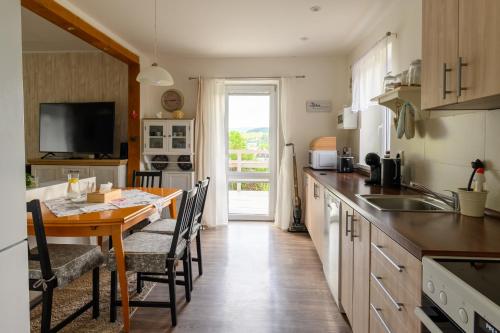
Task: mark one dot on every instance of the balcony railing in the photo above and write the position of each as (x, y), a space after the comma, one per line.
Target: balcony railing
(239, 163)
(248, 166)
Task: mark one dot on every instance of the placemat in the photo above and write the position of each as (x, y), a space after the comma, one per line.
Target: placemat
(66, 207)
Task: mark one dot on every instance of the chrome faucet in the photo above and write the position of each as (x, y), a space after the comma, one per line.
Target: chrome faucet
(451, 201)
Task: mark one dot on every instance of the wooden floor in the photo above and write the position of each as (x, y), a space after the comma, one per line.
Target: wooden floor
(256, 279)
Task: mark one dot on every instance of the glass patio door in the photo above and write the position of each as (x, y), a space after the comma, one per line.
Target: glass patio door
(251, 151)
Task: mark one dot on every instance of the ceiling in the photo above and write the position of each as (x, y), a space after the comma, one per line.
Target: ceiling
(235, 28)
(40, 35)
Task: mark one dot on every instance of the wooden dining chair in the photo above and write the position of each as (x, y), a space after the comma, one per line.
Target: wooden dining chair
(167, 226)
(155, 256)
(146, 178)
(55, 265)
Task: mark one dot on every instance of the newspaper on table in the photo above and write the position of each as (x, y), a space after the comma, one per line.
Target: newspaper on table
(130, 198)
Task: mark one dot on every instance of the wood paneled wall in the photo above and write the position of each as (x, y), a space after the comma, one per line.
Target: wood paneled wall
(73, 77)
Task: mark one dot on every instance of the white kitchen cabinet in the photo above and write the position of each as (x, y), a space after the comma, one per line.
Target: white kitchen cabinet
(14, 289)
(182, 180)
(104, 174)
(315, 215)
(116, 174)
(180, 138)
(168, 137)
(155, 136)
(83, 171)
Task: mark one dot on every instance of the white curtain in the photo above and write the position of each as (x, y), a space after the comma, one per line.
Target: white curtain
(368, 77)
(210, 148)
(283, 214)
(367, 82)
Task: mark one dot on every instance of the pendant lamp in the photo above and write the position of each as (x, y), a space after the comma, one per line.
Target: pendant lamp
(155, 75)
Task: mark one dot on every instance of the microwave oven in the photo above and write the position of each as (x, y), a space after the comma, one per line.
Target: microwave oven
(323, 159)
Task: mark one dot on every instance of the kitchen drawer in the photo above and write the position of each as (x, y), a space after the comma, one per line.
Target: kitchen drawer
(390, 254)
(400, 284)
(384, 318)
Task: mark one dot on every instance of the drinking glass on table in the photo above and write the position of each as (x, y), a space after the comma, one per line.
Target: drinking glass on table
(73, 184)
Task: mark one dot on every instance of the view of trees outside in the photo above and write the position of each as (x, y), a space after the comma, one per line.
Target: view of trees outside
(249, 139)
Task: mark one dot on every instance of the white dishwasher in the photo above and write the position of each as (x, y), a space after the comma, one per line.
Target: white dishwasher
(331, 262)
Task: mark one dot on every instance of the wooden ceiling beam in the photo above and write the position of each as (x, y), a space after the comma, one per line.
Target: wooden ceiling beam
(62, 17)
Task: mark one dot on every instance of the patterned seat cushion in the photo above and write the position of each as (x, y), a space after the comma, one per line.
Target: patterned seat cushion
(167, 227)
(146, 252)
(68, 261)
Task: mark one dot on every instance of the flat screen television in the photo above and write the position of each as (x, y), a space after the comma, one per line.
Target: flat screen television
(77, 127)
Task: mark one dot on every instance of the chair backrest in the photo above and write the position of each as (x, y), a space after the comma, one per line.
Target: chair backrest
(202, 197)
(42, 254)
(184, 219)
(146, 178)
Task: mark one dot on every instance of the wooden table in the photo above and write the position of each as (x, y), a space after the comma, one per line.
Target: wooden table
(108, 223)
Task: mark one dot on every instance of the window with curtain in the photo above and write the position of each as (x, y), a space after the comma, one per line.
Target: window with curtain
(367, 82)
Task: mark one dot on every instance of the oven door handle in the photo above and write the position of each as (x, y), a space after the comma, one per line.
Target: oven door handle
(426, 321)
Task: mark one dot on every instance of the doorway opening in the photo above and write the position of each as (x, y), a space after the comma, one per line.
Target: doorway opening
(251, 119)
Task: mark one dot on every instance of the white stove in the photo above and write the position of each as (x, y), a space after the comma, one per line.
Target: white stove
(460, 295)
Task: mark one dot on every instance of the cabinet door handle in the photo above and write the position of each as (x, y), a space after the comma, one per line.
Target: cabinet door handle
(379, 317)
(398, 267)
(347, 231)
(461, 64)
(352, 228)
(316, 191)
(397, 305)
(445, 72)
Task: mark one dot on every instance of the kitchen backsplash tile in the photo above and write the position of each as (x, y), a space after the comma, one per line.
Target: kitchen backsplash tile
(492, 149)
(455, 140)
(441, 176)
(493, 188)
(440, 154)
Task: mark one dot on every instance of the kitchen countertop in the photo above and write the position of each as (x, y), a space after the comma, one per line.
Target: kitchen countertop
(421, 233)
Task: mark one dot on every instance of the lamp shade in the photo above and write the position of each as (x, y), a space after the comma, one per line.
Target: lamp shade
(155, 75)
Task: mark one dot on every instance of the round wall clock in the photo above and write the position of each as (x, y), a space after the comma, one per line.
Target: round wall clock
(172, 100)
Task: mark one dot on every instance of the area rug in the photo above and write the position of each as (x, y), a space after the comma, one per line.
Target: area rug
(71, 297)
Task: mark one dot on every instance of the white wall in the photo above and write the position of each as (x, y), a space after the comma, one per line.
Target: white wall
(326, 78)
(440, 154)
(14, 297)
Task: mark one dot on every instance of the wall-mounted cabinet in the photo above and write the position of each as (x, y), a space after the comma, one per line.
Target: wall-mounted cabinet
(460, 48)
(168, 137)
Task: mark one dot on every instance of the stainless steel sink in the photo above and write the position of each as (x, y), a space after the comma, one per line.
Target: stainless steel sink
(405, 203)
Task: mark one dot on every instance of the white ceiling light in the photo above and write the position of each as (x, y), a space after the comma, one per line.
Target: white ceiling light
(155, 75)
(315, 8)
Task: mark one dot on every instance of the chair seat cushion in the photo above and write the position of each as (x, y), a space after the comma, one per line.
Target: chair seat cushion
(147, 252)
(68, 261)
(167, 227)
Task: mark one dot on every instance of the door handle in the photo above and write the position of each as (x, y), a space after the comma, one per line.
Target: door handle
(426, 321)
(377, 279)
(461, 64)
(379, 317)
(445, 72)
(352, 228)
(347, 231)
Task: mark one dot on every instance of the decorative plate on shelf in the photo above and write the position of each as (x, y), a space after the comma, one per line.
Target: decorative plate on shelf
(185, 162)
(172, 100)
(160, 166)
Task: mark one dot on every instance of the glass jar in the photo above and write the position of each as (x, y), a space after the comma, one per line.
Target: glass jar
(73, 185)
(414, 72)
(389, 82)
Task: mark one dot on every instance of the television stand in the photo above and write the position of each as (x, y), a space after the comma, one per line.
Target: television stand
(47, 155)
(103, 156)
